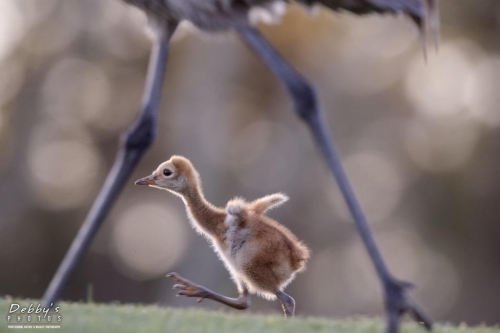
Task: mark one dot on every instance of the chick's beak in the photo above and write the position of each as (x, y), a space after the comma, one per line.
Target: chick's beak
(149, 180)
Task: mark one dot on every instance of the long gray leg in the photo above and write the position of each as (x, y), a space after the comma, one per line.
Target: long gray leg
(134, 143)
(191, 289)
(287, 302)
(307, 107)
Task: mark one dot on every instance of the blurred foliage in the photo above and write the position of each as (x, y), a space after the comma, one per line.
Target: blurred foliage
(420, 141)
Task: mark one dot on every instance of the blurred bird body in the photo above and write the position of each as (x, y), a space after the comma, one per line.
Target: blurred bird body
(213, 15)
(261, 254)
(216, 15)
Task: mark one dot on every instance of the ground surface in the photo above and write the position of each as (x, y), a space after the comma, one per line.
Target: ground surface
(90, 317)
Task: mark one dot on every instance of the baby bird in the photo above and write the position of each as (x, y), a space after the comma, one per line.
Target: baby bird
(261, 255)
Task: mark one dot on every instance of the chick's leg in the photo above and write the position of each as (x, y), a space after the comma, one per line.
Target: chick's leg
(191, 289)
(287, 302)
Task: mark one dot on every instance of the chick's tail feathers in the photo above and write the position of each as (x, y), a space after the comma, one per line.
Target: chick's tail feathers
(237, 209)
(261, 205)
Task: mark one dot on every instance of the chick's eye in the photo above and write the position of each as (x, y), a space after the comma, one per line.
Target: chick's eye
(167, 172)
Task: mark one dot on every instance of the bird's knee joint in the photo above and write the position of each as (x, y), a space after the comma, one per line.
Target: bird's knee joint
(306, 102)
(141, 135)
(244, 303)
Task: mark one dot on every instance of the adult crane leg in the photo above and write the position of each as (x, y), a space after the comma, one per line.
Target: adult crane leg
(307, 107)
(134, 143)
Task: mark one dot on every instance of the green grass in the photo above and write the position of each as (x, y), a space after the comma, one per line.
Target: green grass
(91, 317)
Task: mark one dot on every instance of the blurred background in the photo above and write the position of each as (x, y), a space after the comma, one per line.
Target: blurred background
(420, 142)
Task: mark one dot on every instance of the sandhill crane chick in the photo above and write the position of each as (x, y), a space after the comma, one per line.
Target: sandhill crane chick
(261, 255)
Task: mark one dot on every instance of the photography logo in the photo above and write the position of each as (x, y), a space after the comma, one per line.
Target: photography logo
(33, 316)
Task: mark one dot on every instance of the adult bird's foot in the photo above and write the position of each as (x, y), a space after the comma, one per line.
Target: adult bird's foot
(188, 288)
(397, 302)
